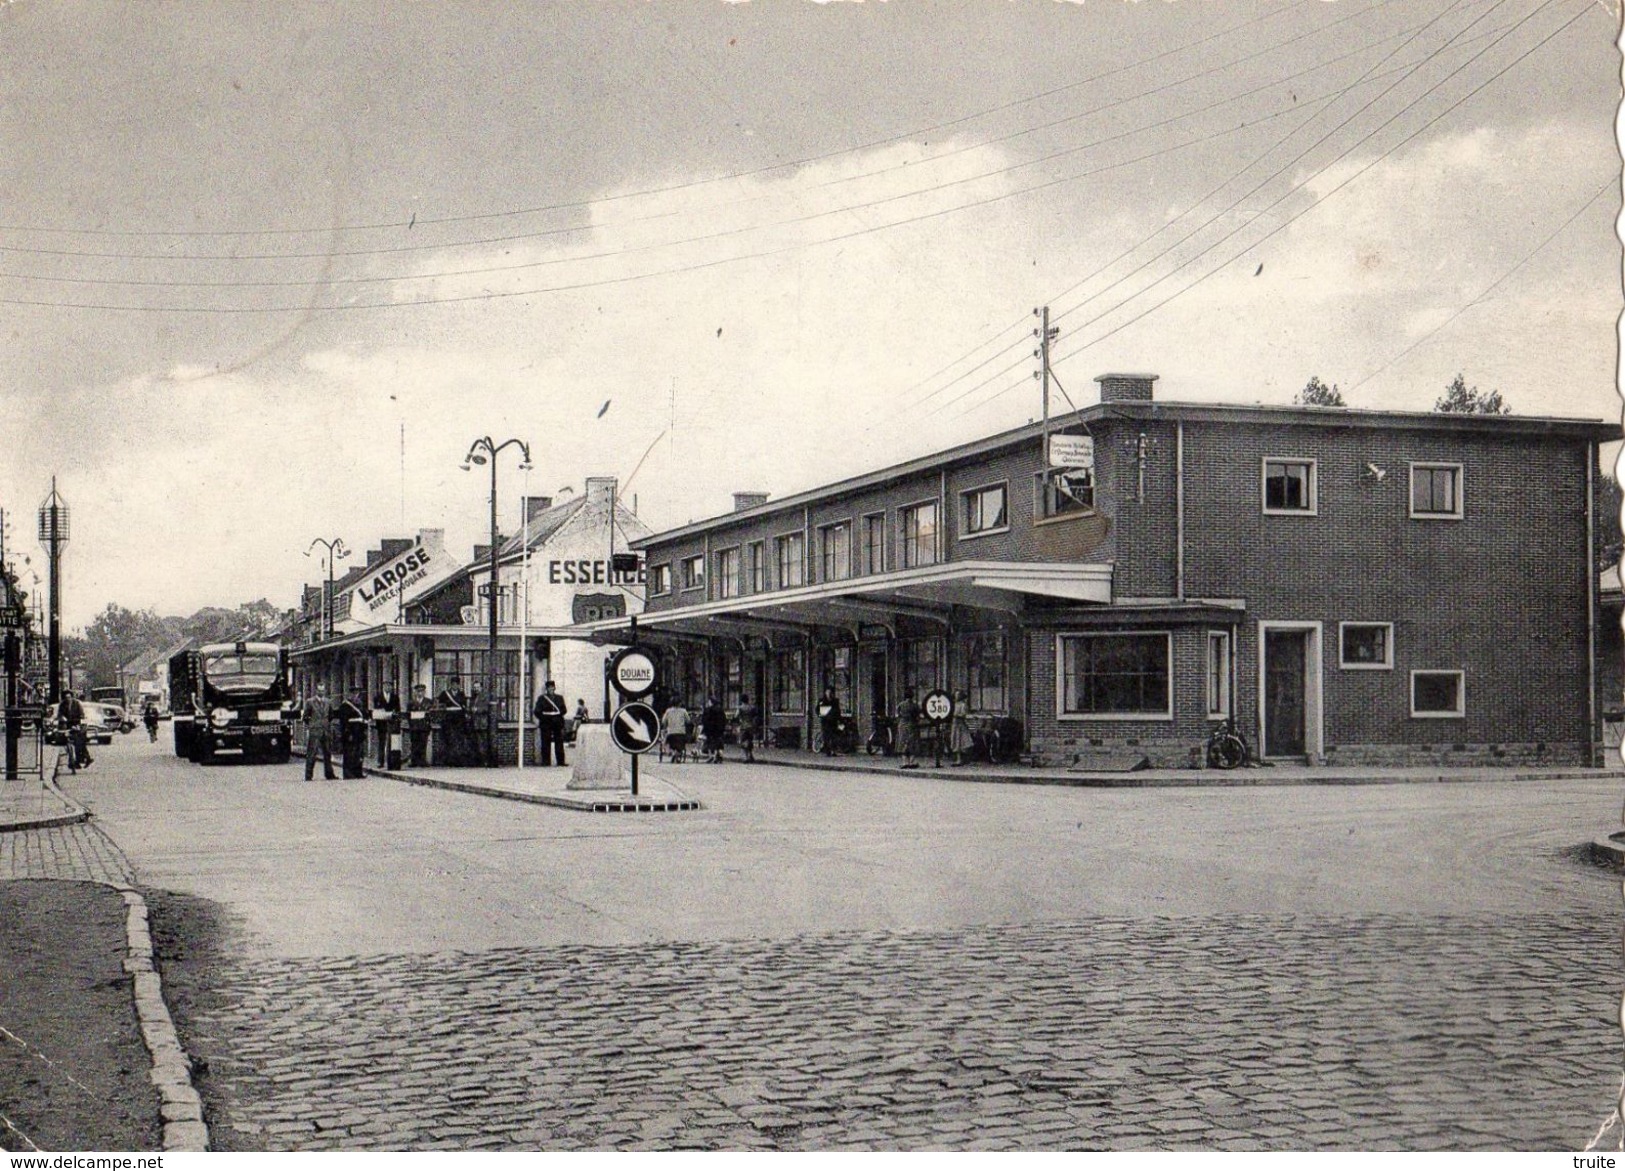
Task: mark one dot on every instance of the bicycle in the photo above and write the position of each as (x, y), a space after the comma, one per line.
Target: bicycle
(1226, 747)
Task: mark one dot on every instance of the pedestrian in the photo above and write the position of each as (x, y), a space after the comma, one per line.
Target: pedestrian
(908, 729)
(70, 713)
(479, 728)
(549, 712)
(453, 707)
(959, 738)
(417, 725)
(352, 721)
(149, 717)
(749, 719)
(385, 706)
(714, 729)
(318, 715)
(675, 721)
(581, 717)
(829, 720)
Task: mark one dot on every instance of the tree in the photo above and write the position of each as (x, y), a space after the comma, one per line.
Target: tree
(1461, 399)
(1609, 499)
(1317, 394)
(116, 636)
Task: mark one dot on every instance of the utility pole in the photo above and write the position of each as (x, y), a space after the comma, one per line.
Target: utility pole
(53, 534)
(1045, 335)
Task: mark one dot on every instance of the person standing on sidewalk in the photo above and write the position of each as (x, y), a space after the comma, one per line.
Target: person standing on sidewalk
(417, 725)
(385, 701)
(318, 714)
(829, 720)
(479, 727)
(352, 717)
(70, 713)
(749, 718)
(549, 713)
(908, 730)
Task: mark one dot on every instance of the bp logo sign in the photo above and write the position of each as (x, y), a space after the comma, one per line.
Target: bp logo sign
(632, 672)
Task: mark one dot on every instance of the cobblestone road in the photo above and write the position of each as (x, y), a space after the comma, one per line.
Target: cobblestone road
(1247, 1032)
(79, 852)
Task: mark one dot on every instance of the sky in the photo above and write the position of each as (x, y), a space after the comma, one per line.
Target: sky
(267, 270)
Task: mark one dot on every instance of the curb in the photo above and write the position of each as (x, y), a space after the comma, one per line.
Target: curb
(628, 804)
(76, 812)
(1607, 852)
(1198, 778)
(179, 1106)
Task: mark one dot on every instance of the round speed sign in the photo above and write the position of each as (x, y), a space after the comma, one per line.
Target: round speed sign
(938, 706)
(632, 672)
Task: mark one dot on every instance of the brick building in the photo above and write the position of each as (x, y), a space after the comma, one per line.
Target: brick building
(1353, 586)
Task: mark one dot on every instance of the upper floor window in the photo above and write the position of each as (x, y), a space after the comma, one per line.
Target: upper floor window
(984, 510)
(660, 579)
(874, 543)
(727, 572)
(1436, 491)
(1367, 645)
(694, 572)
(755, 568)
(1289, 486)
(920, 535)
(1063, 491)
(836, 553)
(790, 551)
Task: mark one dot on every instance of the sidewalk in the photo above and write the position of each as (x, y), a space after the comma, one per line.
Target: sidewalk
(30, 803)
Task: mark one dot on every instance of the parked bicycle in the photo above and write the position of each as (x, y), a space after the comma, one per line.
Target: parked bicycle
(1226, 747)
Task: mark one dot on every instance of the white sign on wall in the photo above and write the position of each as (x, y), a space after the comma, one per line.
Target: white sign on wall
(1071, 451)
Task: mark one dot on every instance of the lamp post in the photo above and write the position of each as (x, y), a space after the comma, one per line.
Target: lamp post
(53, 534)
(335, 549)
(483, 450)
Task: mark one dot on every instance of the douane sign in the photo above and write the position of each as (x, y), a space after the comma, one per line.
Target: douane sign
(632, 673)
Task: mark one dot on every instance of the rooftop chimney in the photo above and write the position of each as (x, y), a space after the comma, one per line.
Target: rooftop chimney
(1125, 388)
(535, 504)
(482, 553)
(600, 490)
(395, 546)
(744, 500)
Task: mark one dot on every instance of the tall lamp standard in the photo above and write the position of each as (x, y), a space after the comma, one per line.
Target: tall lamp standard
(335, 550)
(53, 534)
(483, 450)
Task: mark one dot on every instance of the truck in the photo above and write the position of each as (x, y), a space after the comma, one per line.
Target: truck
(232, 700)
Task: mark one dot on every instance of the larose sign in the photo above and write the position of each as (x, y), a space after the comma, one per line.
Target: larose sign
(632, 672)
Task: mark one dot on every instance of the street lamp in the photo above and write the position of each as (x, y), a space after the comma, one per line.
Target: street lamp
(335, 549)
(53, 534)
(485, 450)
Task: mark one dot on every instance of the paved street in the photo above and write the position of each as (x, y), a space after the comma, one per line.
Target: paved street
(874, 962)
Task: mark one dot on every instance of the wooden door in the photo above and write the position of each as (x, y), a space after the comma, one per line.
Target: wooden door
(1285, 652)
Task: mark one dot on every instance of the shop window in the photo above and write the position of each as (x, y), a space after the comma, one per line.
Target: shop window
(790, 553)
(1438, 695)
(1289, 486)
(1436, 491)
(1218, 674)
(755, 568)
(1366, 646)
(789, 682)
(660, 579)
(984, 510)
(733, 677)
(986, 674)
(1115, 676)
(694, 572)
(727, 572)
(1065, 491)
(920, 665)
(874, 543)
(836, 551)
(920, 535)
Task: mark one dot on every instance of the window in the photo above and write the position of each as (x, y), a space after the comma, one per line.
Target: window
(984, 511)
(755, 568)
(985, 672)
(836, 551)
(1218, 674)
(660, 579)
(1115, 676)
(874, 543)
(1367, 646)
(1065, 491)
(727, 572)
(789, 681)
(694, 572)
(790, 552)
(1438, 695)
(920, 660)
(835, 670)
(1289, 485)
(467, 669)
(920, 535)
(733, 677)
(1436, 491)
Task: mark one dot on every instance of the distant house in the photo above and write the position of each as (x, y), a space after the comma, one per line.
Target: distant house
(147, 675)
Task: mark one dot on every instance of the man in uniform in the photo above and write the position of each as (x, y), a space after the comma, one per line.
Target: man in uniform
(479, 728)
(417, 725)
(549, 712)
(385, 701)
(352, 717)
(318, 713)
